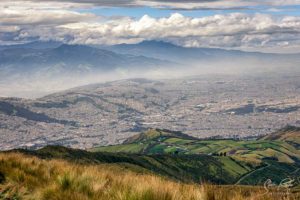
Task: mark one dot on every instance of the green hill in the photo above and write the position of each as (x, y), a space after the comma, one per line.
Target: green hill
(278, 152)
(157, 134)
(281, 146)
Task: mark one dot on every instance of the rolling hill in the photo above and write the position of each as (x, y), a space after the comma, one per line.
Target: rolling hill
(278, 145)
(273, 153)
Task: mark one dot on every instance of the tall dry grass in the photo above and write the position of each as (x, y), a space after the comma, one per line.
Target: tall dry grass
(28, 177)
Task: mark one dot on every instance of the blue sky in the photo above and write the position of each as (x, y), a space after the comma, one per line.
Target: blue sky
(138, 12)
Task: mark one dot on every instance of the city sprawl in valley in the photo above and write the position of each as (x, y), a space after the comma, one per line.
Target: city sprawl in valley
(105, 114)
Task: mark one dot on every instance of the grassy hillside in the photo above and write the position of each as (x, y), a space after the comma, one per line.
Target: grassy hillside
(186, 168)
(28, 177)
(257, 159)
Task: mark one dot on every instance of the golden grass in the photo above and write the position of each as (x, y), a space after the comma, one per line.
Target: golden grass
(28, 177)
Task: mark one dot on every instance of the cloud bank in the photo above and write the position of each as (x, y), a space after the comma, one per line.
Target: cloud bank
(29, 20)
(170, 4)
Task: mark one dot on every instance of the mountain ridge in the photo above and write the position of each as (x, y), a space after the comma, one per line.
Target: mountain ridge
(170, 51)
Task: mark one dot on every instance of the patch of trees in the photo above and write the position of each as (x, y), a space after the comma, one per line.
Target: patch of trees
(220, 154)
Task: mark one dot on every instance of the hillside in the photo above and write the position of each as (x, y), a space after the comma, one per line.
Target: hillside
(27, 177)
(289, 134)
(156, 134)
(192, 168)
(276, 145)
(266, 155)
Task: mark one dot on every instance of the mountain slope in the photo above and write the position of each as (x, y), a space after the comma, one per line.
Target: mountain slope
(71, 58)
(37, 71)
(288, 134)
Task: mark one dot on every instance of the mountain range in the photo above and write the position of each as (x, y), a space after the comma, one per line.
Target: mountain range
(39, 68)
(168, 51)
(51, 54)
(71, 58)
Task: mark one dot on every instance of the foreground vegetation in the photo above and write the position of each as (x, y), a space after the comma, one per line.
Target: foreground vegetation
(28, 177)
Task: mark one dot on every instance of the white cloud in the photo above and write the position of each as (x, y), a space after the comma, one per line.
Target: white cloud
(233, 30)
(58, 21)
(41, 17)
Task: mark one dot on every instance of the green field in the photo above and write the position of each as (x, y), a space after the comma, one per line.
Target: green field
(164, 142)
(249, 161)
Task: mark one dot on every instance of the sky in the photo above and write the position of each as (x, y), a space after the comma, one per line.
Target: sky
(252, 25)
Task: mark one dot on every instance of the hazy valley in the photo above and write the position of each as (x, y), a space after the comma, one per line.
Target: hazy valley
(103, 114)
